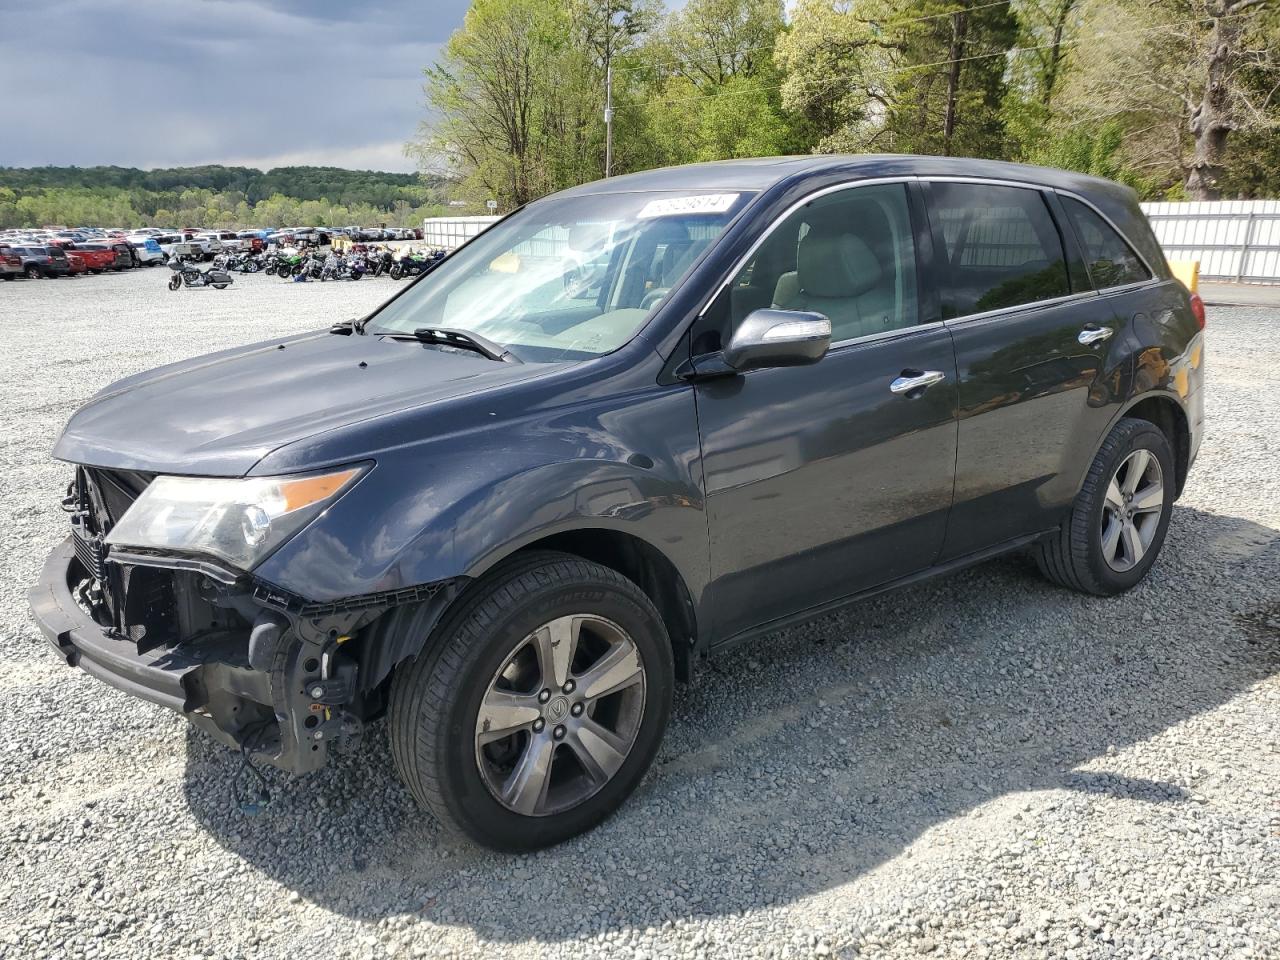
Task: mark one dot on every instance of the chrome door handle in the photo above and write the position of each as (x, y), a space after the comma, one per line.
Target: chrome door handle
(1091, 335)
(916, 381)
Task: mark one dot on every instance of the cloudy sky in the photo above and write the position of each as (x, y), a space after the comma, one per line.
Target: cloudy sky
(264, 83)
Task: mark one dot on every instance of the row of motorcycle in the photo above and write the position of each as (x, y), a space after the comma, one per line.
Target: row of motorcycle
(315, 265)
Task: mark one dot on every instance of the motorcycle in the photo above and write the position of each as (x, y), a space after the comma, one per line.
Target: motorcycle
(193, 276)
(379, 262)
(411, 264)
(332, 269)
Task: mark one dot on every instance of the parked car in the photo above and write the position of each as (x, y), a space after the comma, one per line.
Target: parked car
(228, 239)
(510, 508)
(122, 252)
(209, 245)
(252, 240)
(176, 245)
(146, 250)
(76, 264)
(97, 256)
(10, 262)
(43, 261)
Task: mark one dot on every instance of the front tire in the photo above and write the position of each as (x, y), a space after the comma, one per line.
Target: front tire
(175, 282)
(538, 706)
(1119, 520)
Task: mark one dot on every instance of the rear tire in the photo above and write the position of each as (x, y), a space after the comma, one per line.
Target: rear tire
(32, 272)
(527, 788)
(1118, 522)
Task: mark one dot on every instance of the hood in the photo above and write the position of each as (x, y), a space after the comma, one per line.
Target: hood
(220, 414)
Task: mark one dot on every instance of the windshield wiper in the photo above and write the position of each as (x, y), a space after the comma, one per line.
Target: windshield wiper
(463, 339)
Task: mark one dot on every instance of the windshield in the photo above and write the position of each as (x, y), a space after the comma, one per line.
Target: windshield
(566, 278)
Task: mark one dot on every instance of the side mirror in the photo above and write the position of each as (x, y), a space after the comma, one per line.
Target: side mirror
(778, 338)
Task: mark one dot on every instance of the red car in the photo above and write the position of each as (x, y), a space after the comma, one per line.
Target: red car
(97, 256)
(76, 264)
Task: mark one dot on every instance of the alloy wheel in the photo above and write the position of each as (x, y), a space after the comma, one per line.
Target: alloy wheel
(560, 716)
(1132, 509)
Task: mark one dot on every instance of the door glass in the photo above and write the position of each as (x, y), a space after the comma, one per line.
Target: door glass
(1000, 248)
(1112, 262)
(849, 256)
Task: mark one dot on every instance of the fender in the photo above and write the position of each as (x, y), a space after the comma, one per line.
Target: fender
(454, 504)
(1177, 382)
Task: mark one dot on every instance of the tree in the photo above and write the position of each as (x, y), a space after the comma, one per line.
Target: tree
(1180, 78)
(517, 93)
(713, 86)
(1225, 103)
(915, 77)
(1046, 33)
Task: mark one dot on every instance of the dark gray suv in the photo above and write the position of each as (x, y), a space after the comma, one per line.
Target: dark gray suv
(629, 426)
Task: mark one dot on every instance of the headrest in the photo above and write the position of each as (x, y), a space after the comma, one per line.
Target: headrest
(836, 265)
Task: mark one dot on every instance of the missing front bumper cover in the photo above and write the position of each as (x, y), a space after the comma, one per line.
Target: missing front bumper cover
(211, 681)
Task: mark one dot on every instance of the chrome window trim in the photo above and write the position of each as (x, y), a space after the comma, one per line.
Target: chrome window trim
(1020, 307)
(778, 221)
(897, 333)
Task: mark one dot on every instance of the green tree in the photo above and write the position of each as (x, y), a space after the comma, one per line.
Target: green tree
(712, 87)
(913, 77)
(1046, 33)
(1181, 78)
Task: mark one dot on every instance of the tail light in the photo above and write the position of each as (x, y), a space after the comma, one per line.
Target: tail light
(1197, 308)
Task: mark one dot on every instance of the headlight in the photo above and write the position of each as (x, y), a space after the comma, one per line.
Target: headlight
(240, 521)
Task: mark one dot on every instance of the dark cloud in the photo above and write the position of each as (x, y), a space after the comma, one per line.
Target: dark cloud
(265, 82)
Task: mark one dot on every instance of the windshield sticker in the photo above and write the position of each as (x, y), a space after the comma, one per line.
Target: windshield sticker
(675, 206)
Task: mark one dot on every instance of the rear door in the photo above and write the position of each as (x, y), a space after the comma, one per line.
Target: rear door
(822, 481)
(1033, 397)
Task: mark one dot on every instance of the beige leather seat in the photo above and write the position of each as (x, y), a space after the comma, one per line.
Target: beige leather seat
(839, 276)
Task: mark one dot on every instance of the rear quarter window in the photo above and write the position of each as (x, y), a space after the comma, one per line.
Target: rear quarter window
(1112, 262)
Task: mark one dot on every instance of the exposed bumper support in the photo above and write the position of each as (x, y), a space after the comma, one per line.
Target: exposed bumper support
(208, 682)
(161, 677)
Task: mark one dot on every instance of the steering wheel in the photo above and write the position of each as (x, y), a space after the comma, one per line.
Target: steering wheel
(654, 297)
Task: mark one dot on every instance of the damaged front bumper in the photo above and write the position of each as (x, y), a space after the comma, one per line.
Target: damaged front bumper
(265, 679)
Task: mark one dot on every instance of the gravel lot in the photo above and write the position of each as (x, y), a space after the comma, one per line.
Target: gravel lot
(978, 766)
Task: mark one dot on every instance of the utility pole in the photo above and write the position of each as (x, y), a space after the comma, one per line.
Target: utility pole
(608, 120)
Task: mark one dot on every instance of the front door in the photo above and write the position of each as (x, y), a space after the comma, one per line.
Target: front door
(822, 481)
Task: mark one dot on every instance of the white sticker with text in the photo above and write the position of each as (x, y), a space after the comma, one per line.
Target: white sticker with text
(674, 206)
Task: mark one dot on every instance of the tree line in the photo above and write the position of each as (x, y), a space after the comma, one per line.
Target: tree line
(1178, 98)
(214, 196)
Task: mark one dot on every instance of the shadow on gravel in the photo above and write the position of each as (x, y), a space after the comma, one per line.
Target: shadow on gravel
(813, 755)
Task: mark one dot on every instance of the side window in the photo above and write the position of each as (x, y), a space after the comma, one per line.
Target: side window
(999, 248)
(849, 256)
(1112, 262)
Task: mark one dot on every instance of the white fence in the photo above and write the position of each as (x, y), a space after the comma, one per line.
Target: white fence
(450, 232)
(1233, 239)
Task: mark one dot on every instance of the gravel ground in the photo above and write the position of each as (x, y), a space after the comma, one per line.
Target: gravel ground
(981, 766)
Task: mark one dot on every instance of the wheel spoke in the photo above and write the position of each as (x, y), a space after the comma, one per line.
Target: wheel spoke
(1138, 461)
(599, 750)
(617, 669)
(556, 643)
(503, 712)
(1133, 542)
(527, 785)
(1111, 538)
(1150, 497)
(1115, 499)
